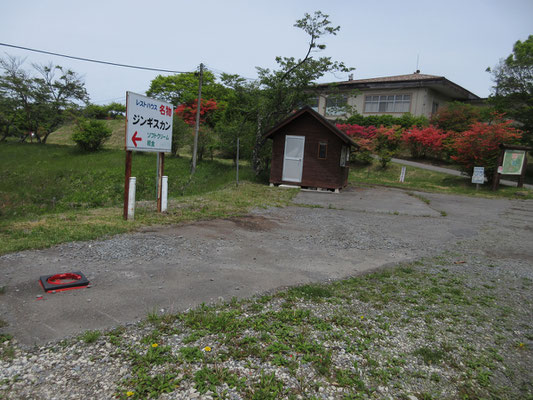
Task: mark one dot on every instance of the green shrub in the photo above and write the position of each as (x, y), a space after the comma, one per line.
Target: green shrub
(407, 120)
(91, 134)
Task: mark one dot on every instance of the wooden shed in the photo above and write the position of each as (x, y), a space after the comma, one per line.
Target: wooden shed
(309, 151)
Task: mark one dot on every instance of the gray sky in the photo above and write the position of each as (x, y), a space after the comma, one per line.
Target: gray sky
(455, 39)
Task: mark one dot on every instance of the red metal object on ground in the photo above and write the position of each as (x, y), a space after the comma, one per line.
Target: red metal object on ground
(65, 281)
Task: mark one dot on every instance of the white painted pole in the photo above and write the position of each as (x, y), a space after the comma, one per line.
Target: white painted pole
(131, 198)
(164, 194)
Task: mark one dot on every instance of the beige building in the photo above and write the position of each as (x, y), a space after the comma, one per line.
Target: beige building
(417, 93)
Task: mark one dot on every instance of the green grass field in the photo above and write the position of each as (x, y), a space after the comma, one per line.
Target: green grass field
(51, 194)
(424, 180)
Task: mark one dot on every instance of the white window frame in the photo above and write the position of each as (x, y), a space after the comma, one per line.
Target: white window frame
(387, 103)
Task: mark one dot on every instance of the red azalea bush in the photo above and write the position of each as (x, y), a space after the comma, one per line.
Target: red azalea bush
(424, 141)
(364, 137)
(479, 145)
(358, 131)
(386, 143)
(187, 111)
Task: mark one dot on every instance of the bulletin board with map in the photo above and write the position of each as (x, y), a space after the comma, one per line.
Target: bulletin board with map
(512, 161)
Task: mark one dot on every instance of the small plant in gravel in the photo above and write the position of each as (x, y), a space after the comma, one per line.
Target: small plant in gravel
(209, 378)
(311, 292)
(268, 388)
(90, 336)
(191, 354)
(144, 386)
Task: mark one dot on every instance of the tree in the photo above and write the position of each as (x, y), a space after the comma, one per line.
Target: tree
(386, 143)
(479, 146)
(46, 96)
(288, 88)
(8, 117)
(181, 132)
(456, 117)
(259, 105)
(187, 111)
(207, 138)
(513, 89)
(183, 88)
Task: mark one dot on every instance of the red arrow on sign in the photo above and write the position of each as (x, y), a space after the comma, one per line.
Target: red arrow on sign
(136, 139)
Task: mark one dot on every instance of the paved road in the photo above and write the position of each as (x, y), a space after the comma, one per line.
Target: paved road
(325, 236)
(449, 171)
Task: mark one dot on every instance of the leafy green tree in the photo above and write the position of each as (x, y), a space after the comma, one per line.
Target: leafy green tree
(183, 88)
(91, 134)
(8, 117)
(513, 89)
(280, 91)
(181, 134)
(46, 96)
(112, 110)
(456, 117)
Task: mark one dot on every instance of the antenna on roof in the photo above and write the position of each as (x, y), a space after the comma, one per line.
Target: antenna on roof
(417, 61)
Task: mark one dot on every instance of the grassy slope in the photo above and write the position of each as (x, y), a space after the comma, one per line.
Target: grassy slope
(63, 135)
(59, 194)
(424, 180)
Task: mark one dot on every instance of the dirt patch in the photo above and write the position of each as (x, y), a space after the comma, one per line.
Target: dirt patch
(254, 223)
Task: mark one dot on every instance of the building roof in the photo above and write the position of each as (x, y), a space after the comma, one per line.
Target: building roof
(437, 83)
(399, 78)
(308, 110)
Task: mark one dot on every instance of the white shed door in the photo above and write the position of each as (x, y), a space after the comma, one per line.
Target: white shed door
(293, 159)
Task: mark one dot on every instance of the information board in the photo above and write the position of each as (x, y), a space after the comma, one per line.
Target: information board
(149, 124)
(513, 160)
(479, 175)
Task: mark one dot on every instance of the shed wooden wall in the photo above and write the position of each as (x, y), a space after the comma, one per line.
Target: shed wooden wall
(316, 172)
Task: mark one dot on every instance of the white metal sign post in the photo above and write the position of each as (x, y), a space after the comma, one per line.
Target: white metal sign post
(148, 128)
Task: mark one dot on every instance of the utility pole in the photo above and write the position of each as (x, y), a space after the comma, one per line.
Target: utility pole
(197, 127)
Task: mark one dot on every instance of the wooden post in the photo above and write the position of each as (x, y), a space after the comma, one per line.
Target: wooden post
(160, 173)
(496, 177)
(197, 126)
(522, 176)
(237, 159)
(127, 182)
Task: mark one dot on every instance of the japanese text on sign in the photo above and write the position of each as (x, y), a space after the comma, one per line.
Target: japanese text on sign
(149, 124)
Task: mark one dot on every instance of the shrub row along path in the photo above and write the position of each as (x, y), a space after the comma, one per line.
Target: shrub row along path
(450, 171)
(484, 244)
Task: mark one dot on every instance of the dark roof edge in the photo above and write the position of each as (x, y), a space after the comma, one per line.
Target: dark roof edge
(306, 109)
(420, 82)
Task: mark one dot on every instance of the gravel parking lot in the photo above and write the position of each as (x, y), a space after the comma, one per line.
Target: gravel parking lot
(485, 245)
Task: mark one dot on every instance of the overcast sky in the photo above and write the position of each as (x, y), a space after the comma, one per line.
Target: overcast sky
(457, 39)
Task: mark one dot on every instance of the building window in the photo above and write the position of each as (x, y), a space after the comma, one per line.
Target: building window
(313, 103)
(400, 103)
(434, 107)
(336, 105)
(345, 155)
(322, 150)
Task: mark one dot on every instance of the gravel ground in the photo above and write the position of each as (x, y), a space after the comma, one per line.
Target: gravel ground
(455, 323)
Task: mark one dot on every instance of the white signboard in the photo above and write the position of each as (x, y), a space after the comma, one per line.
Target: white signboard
(402, 175)
(479, 175)
(149, 124)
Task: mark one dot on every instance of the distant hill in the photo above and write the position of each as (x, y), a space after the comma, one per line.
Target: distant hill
(63, 135)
